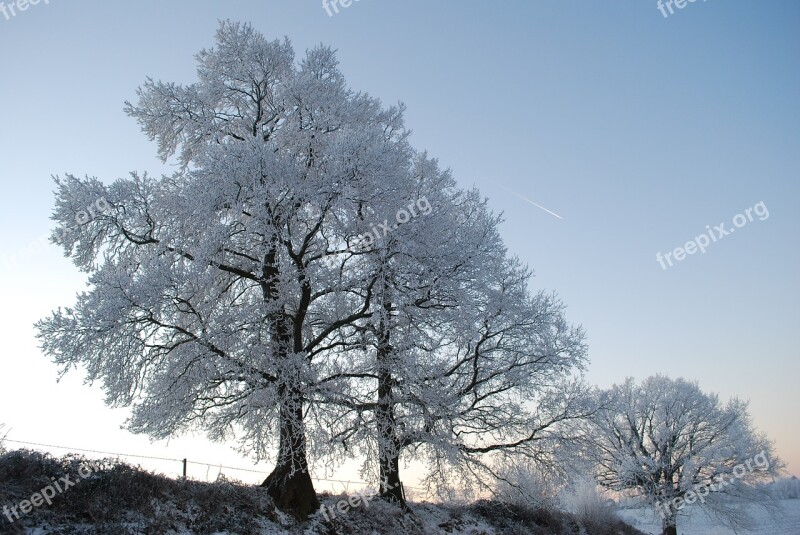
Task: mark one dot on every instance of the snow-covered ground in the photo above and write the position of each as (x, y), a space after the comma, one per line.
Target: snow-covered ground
(699, 523)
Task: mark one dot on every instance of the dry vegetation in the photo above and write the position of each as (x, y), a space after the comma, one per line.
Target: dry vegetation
(118, 498)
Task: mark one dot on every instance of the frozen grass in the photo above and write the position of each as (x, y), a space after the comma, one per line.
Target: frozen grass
(120, 499)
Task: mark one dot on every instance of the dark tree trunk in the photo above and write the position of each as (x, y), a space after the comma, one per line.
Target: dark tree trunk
(289, 485)
(388, 441)
(665, 505)
(391, 486)
(388, 444)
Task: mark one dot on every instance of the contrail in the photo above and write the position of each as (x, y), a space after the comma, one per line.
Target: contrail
(539, 206)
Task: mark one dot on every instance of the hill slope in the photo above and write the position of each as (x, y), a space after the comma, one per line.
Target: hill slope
(107, 497)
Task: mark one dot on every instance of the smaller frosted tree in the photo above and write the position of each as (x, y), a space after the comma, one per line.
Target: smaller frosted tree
(669, 444)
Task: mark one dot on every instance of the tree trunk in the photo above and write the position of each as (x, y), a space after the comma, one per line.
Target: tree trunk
(289, 485)
(388, 442)
(391, 486)
(665, 504)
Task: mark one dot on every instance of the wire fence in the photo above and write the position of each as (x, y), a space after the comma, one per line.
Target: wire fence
(185, 463)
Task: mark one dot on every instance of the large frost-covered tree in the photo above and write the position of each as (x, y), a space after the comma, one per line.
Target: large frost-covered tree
(220, 295)
(270, 291)
(668, 444)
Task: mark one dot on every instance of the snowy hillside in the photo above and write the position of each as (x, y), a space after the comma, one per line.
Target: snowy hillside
(119, 499)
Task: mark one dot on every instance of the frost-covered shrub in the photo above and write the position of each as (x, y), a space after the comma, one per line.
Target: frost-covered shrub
(116, 494)
(3, 435)
(528, 485)
(588, 503)
(786, 489)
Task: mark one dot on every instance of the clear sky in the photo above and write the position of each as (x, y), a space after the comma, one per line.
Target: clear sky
(638, 130)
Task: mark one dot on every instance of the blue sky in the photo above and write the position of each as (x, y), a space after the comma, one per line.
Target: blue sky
(638, 130)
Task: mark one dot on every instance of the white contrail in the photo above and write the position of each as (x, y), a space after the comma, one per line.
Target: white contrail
(539, 206)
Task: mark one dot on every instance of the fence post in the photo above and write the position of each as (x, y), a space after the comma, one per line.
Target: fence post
(184, 469)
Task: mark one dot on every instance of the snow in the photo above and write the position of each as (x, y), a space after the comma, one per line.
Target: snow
(700, 523)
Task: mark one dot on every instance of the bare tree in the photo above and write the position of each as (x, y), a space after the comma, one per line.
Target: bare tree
(669, 444)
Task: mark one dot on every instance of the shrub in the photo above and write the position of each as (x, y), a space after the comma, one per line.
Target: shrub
(529, 486)
(589, 505)
(786, 489)
(116, 494)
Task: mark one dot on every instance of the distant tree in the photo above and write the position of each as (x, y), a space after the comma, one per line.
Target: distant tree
(669, 444)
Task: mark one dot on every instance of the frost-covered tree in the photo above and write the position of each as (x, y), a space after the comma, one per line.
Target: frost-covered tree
(270, 291)
(500, 382)
(225, 296)
(668, 444)
(462, 365)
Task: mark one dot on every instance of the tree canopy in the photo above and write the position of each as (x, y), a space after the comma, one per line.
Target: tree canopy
(308, 284)
(668, 443)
